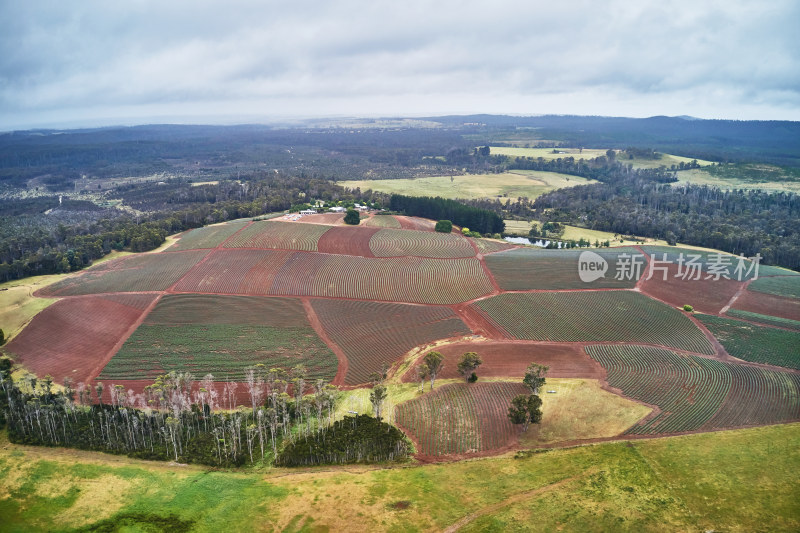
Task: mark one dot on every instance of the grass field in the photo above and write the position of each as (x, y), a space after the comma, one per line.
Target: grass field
(760, 344)
(666, 160)
(18, 305)
(528, 183)
(575, 233)
(730, 481)
(744, 176)
(588, 316)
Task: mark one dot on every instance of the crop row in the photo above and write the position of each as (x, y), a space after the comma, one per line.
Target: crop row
(397, 243)
(696, 393)
(179, 309)
(134, 273)
(374, 333)
(589, 316)
(383, 221)
(488, 246)
(279, 235)
(224, 350)
(779, 285)
(760, 344)
(459, 418)
(235, 272)
(688, 390)
(529, 269)
(207, 237)
(70, 338)
(765, 319)
(725, 263)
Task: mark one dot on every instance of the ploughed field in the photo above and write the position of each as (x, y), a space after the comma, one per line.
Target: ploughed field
(348, 302)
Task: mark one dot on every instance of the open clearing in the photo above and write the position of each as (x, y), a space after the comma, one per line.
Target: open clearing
(693, 482)
(666, 160)
(519, 183)
(744, 176)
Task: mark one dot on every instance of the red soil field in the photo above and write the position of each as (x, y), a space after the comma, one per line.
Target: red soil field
(72, 337)
(420, 224)
(328, 219)
(768, 304)
(510, 359)
(706, 296)
(235, 272)
(347, 240)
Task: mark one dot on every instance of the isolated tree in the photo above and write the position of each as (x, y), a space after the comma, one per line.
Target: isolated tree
(2, 337)
(352, 217)
(377, 397)
(525, 409)
(469, 362)
(422, 375)
(435, 362)
(534, 376)
(444, 226)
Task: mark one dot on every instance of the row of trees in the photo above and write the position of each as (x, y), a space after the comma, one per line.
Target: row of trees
(480, 220)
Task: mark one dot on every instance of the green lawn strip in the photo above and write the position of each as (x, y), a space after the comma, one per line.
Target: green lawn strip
(759, 344)
(726, 481)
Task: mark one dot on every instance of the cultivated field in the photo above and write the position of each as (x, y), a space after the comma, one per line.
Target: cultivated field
(279, 235)
(132, 273)
(768, 304)
(221, 335)
(695, 393)
(788, 286)
(208, 236)
(590, 316)
(518, 183)
(461, 418)
(765, 319)
(399, 243)
(382, 221)
(531, 268)
(372, 334)
(72, 337)
(759, 344)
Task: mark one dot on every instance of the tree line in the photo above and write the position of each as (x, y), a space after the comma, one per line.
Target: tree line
(461, 214)
(178, 419)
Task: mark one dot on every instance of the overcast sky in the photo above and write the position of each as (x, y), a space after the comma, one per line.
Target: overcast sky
(66, 64)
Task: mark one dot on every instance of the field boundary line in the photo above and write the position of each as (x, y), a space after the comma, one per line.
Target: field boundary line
(734, 297)
(316, 324)
(516, 498)
(95, 372)
(209, 253)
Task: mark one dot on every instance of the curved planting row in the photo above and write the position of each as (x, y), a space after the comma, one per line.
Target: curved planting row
(460, 419)
(235, 272)
(383, 221)
(347, 240)
(416, 223)
(134, 273)
(758, 396)
(488, 246)
(688, 390)
(533, 269)
(221, 335)
(397, 243)
(695, 393)
(279, 235)
(71, 337)
(760, 344)
(372, 334)
(208, 236)
(589, 316)
(401, 279)
(177, 309)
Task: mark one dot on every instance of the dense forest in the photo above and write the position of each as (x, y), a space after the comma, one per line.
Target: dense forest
(476, 219)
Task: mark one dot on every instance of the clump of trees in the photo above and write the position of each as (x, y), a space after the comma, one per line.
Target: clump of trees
(354, 439)
(467, 366)
(526, 409)
(352, 217)
(480, 220)
(444, 226)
